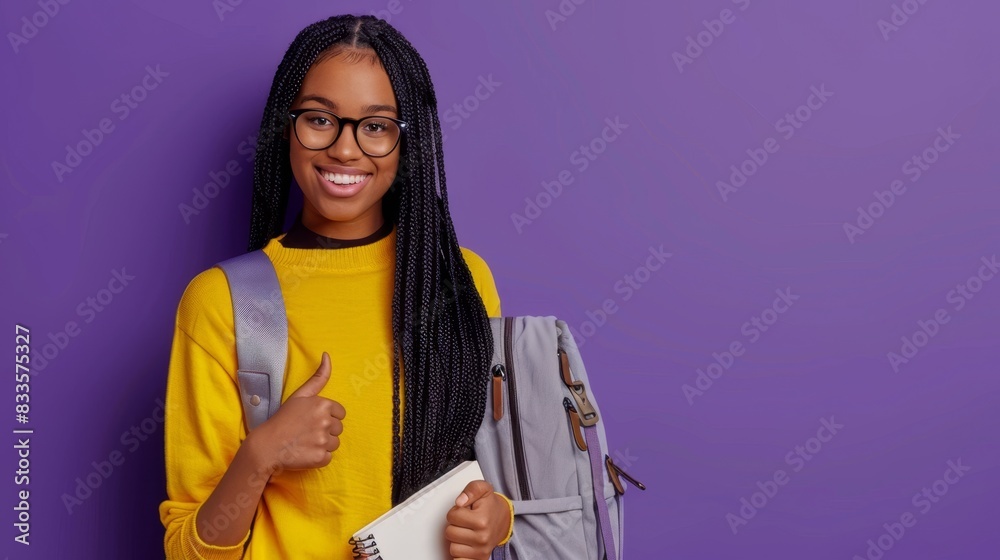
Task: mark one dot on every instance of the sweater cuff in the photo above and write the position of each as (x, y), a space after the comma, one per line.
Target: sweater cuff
(207, 551)
(510, 531)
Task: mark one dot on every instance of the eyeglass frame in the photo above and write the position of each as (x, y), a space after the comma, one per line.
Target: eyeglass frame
(341, 121)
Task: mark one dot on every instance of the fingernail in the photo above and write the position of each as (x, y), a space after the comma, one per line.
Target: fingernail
(462, 500)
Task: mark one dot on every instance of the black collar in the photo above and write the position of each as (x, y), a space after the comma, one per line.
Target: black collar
(301, 237)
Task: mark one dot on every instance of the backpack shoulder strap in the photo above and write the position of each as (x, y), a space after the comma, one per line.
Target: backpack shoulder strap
(261, 333)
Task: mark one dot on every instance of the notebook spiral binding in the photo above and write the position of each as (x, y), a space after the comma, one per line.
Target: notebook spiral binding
(365, 548)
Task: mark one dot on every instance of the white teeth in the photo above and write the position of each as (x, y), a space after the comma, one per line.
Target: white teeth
(342, 179)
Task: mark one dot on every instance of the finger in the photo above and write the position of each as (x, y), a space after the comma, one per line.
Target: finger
(337, 410)
(461, 552)
(486, 500)
(312, 386)
(460, 535)
(473, 491)
(336, 428)
(332, 444)
(324, 459)
(467, 519)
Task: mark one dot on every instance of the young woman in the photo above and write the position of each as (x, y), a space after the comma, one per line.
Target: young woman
(373, 278)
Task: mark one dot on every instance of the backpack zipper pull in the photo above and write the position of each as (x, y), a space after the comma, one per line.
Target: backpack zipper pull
(499, 376)
(574, 422)
(614, 470)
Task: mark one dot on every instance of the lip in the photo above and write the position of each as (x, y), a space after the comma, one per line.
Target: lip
(341, 191)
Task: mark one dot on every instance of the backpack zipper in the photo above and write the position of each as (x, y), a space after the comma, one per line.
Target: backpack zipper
(515, 423)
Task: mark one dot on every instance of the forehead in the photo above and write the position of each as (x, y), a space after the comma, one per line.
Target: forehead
(349, 84)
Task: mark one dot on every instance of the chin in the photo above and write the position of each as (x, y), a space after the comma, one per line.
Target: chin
(337, 210)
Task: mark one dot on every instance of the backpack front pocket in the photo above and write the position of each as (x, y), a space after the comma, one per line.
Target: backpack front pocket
(549, 529)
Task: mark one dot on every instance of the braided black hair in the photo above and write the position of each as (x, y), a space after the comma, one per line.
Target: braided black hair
(440, 328)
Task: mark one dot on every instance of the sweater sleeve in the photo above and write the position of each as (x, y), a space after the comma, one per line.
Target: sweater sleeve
(203, 419)
(483, 278)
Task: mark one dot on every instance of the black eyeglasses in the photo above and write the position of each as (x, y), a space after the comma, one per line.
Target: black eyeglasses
(317, 129)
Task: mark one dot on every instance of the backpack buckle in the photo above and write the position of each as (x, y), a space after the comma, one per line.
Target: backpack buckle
(586, 411)
(588, 415)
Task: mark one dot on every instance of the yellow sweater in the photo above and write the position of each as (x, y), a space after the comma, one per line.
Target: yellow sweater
(339, 301)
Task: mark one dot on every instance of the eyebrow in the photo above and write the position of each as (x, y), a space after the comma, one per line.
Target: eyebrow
(333, 106)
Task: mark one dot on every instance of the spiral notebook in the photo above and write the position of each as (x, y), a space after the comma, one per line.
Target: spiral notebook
(414, 529)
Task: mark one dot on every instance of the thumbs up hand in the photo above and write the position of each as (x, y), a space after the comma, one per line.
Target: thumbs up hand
(305, 430)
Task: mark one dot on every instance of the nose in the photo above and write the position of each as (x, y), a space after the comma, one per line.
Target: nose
(346, 147)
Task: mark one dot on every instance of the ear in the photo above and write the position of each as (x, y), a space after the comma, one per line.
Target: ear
(285, 131)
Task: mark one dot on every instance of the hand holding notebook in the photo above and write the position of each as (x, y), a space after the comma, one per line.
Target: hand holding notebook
(415, 529)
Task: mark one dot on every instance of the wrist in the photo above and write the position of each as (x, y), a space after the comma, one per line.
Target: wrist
(257, 455)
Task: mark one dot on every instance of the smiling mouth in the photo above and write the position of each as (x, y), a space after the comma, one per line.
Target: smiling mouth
(341, 178)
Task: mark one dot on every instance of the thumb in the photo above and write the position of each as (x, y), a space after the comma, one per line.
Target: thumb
(474, 491)
(312, 386)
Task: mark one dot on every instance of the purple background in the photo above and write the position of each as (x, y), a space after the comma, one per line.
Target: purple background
(655, 185)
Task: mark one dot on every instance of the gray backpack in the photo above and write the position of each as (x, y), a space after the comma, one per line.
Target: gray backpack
(541, 442)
